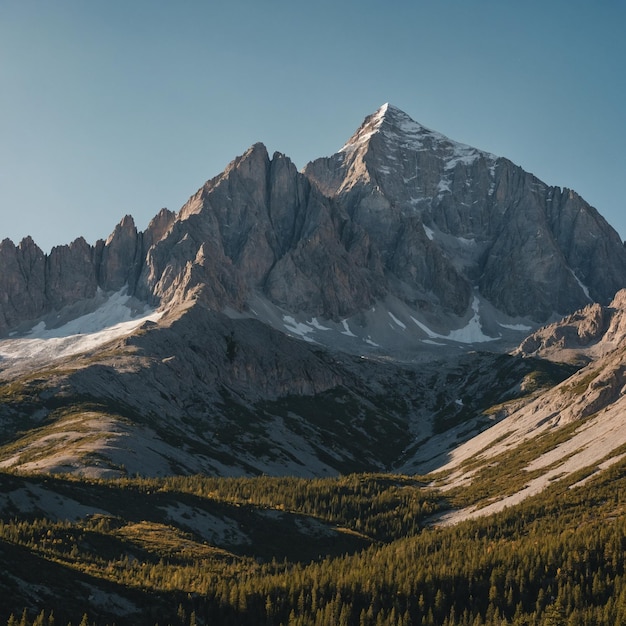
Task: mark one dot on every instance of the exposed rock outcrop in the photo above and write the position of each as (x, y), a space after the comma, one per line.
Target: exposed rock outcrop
(530, 249)
(71, 274)
(591, 332)
(399, 211)
(262, 227)
(22, 282)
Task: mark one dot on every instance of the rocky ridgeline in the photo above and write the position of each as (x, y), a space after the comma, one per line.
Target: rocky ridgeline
(32, 283)
(585, 335)
(448, 218)
(400, 210)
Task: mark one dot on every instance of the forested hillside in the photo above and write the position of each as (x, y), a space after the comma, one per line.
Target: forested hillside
(356, 550)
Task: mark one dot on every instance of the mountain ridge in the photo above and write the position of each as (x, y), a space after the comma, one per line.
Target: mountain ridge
(400, 210)
(471, 197)
(331, 315)
(272, 404)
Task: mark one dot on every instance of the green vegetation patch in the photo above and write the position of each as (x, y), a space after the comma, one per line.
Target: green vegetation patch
(506, 474)
(557, 558)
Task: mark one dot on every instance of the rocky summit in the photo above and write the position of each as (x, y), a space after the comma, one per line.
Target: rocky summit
(302, 322)
(450, 221)
(400, 218)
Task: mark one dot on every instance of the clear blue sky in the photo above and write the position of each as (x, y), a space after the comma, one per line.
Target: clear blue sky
(110, 107)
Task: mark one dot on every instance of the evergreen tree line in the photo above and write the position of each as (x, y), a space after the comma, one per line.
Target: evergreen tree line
(555, 559)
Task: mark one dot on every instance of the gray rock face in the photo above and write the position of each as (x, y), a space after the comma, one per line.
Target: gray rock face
(532, 250)
(33, 284)
(399, 211)
(583, 336)
(71, 274)
(22, 282)
(262, 227)
(120, 256)
(548, 250)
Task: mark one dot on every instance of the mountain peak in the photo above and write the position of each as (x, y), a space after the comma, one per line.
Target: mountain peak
(386, 120)
(390, 121)
(393, 115)
(397, 130)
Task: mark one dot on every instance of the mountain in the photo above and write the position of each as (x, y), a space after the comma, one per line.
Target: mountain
(576, 428)
(450, 221)
(402, 225)
(193, 391)
(303, 323)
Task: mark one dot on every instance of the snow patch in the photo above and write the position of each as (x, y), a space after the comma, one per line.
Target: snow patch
(522, 327)
(113, 319)
(298, 328)
(317, 325)
(582, 286)
(443, 186)
(466, 242)
(430, 233)
(346, 329)
(430, 333)
(397, 321)
(471, 333)
(462, 154)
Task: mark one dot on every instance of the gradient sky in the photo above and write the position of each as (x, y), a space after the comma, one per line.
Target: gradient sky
(109, 107)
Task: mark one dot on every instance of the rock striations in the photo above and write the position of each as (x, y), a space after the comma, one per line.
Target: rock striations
(448, 219)
(200, 344)
(400, 210)
(33, 284)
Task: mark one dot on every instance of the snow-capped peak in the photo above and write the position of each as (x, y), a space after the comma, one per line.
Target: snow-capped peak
(399, 131)
(370, 126)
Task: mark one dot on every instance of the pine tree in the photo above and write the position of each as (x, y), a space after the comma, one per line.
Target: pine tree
(40, 619)
(554, 615)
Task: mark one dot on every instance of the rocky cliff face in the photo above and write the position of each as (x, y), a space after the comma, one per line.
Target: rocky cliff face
(530, 249)
(586, 335)
(400, 211)
(403, 231)
(262, 227)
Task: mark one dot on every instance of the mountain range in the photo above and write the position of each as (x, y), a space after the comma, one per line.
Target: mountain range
(386, 389)
(371, 312)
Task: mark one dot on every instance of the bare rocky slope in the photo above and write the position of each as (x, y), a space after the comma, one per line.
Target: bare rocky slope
(400, 212)
(310, 322)
(202, 392)
(576, 427)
